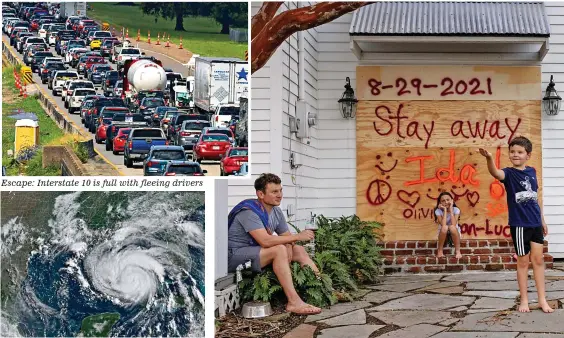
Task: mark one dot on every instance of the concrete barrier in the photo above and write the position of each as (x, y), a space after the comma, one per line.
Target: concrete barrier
(66, 158)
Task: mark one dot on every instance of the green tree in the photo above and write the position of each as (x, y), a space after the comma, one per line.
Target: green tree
(226, 14)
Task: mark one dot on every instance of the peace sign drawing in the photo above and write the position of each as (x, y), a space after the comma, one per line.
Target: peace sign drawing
(378, 192)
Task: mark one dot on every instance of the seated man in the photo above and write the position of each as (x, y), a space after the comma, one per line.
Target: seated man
(252, 224)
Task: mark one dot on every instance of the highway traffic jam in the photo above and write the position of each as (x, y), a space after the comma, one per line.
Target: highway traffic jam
(144, 115)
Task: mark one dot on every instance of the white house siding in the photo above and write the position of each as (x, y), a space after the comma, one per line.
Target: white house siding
(553, 134)
(271, 141)
(326, 183)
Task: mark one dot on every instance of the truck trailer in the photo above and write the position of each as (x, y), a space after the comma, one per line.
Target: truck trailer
(219, 81)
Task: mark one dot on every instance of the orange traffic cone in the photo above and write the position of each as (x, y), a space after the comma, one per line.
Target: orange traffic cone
(138, 35)
(21, 91)
(127, 33)
(180, 47)
(168, 41)
(24, 92)
(158, 39)
(149, 37)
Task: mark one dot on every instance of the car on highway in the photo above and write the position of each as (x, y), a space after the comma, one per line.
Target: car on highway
(148, 106)
(176, 123)
(109, 112)
(103, 125)
(168, 116)
(97, 35)
(73, 54)
(118, 88)
(52, 38)
(74, 84)
(89, 62)
(62, 38)
(184, 168)
(232, 159)
(96, 73)
(127, 54)
(38, 59)
(189, 133)
(86, 105)
(159, 113)
(44, 29)
(109, 79)
(14, 33)
(48, 69)
(30, 51)
(108, 45)
(90, 118)
(119, 140)
(74, 102)
(121, 120)
(140, 142)
(210, 147)
(59, 79)
(158, 158)
(21, 36)
(220, 130)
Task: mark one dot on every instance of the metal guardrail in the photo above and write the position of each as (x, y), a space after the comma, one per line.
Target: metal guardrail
(238, 35)
(51, 108)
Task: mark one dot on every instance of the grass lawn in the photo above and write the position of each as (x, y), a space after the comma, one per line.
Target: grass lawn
(49, 132)
(201, 35)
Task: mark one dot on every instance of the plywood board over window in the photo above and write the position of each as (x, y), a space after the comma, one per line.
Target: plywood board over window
(415, 139)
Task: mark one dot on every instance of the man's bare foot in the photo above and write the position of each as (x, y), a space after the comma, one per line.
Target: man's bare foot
(545, 307)
(458, 254)
(524, 307)
(440, 254)
(303, 309)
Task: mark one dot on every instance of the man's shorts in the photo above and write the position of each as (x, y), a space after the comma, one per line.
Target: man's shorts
(523, 236)
(242, 255)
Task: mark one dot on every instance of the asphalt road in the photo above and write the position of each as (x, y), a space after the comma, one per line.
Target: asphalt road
(116, 160)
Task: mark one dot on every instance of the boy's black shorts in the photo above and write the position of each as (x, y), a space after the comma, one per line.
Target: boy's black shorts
(523, 236)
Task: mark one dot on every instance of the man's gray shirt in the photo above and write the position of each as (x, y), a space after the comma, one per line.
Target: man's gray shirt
(246, 221)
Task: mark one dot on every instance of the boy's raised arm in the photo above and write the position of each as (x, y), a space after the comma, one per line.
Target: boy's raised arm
(497, 173)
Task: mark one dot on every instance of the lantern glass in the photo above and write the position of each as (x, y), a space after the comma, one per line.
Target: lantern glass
(551, 101)
(348, 101)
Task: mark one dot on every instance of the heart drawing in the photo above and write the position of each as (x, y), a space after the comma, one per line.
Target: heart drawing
(409, 198)
(473, 198)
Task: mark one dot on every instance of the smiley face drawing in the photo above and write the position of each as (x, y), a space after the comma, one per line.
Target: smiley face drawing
(379, 165)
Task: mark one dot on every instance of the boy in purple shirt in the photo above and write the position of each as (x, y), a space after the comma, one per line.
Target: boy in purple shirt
(526, 221)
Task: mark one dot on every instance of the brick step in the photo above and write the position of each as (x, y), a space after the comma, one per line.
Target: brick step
(431, 263)
(464, 243)
(450, 251)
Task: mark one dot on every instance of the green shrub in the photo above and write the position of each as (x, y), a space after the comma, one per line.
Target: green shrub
(355, 243)
(315, 290)
(346, 253)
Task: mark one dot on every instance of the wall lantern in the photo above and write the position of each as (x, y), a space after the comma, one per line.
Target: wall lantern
(551, 101)
(348, 101)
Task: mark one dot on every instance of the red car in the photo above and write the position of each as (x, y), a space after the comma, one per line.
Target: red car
(101, 131)
(119, 140)
(89, 62)
(232, 159)
(210, 147)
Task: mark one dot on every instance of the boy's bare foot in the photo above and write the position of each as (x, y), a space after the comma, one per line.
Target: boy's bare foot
(524, 307)
(458, 255)
(545, 307)
(440, 254)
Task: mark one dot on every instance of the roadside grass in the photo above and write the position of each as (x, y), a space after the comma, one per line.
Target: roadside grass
(201, 35)
(49, 132)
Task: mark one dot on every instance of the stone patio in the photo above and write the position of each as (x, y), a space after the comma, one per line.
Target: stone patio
(462, 305)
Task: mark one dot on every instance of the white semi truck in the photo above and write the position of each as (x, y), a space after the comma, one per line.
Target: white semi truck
(67, 9)
(219, 81)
